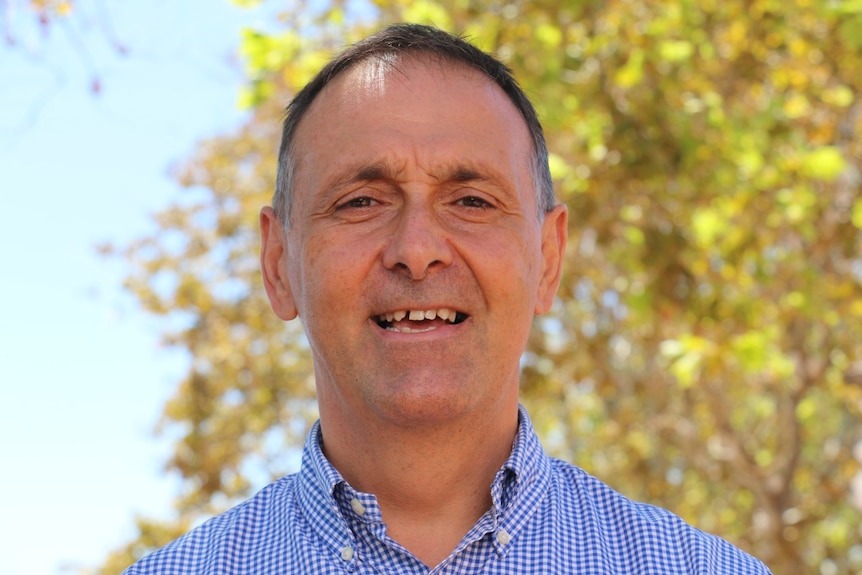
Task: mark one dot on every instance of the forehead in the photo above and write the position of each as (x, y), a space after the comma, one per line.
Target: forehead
(431, 113)
(380, 79)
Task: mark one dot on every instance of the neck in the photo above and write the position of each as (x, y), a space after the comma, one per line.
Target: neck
(432, 482)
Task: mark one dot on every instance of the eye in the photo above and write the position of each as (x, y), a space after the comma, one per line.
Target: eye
(474, 202)
(357, 203)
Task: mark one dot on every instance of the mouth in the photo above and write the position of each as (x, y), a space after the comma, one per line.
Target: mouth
(419, 321)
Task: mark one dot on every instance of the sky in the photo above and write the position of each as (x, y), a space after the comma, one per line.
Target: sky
(82, 372)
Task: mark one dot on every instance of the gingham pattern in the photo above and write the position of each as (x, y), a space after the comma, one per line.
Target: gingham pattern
(548, 517)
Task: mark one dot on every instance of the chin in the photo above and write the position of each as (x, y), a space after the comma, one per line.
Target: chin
(423, 408)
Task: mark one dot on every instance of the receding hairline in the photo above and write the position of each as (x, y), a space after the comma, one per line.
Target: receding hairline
(401, 63)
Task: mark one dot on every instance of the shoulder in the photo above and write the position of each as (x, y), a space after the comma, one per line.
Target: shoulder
(210, 547)
(642, 533)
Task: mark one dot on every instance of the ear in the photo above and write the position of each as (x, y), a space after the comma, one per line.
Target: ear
(273, 265)
(555, 232)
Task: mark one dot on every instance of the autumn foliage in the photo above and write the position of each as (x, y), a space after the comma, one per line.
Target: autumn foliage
(705, 351)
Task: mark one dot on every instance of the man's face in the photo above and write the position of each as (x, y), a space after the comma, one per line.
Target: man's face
(415, 258)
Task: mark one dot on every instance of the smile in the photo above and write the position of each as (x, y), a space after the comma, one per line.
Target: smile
(418, 321)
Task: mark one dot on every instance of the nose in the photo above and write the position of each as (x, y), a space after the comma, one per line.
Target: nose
(419, 243)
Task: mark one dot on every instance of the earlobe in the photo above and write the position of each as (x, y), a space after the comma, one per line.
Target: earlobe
(555, 232)
(273, 265)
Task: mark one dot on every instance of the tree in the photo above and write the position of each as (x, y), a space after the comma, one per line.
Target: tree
(43, 12)
(27, 25)
(704, 352)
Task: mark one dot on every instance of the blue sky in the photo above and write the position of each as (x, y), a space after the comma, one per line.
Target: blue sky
(82, 374)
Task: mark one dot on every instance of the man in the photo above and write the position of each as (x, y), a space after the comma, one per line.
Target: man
(415, 235)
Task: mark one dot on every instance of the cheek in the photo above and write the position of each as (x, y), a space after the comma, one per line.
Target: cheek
(513, 265)
(332, 273)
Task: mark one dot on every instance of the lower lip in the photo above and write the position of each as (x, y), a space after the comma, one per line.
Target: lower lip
(428, 332)
(409, 330)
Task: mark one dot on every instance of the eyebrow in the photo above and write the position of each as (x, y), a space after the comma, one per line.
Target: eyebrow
(373, 172)
(385, 171)
(464, 174)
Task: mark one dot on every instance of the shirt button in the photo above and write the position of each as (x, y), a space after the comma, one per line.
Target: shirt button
(347, 553)
(503, 537)
(358, 507)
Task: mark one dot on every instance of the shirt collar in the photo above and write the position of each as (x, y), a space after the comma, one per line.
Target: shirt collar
(317, 483)
(524, 466)
(522, 481)
(325, 496)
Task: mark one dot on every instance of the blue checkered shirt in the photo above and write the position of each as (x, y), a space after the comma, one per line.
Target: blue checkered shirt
(548, 517)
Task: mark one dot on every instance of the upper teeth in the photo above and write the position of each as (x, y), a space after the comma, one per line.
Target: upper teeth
(418, 314)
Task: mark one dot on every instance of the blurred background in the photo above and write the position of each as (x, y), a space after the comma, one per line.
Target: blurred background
(99, 101)
(704, 351)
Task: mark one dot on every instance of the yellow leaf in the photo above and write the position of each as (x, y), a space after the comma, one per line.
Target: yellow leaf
(686, 355)
(676, 50)
(632, 73)
(634, 235)
(840, 96)
(751, 350)
(559, 168)
(796, 106)
(707, 225)
(806, 409)
(686, 369)
(750, 162)
(794, 299)
(64, 8)
(549, 35)
(631, 213)
(763, 457)
(856, 214)
(825, 163)
(426, 12)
